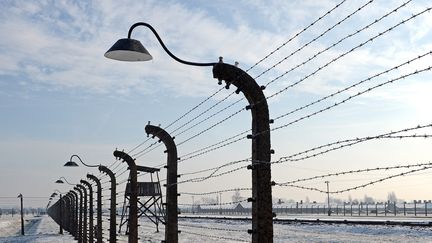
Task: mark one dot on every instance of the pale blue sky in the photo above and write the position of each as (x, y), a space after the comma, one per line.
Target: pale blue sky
(59, 96)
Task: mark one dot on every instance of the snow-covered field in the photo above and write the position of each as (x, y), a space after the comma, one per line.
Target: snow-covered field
(200, 230)
(44, 229)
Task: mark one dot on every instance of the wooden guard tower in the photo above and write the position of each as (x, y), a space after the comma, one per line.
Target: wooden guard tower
(150, 202)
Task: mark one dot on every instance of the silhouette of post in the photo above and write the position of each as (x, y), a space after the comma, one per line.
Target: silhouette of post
(328, 198)
(171, 227)
(113, 204)
(85, 225)
(133, 196)
(262, 215)
(80, 216)
(75, 215)
(68, 225)
(61, 214)
(22, 213)
(90, 224)
(98, 208)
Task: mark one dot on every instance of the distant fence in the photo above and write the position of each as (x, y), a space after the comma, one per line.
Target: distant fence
(362, 209)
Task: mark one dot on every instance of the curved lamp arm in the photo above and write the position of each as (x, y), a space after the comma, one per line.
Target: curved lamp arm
(66, 181)
(134, 46)
(82, 162)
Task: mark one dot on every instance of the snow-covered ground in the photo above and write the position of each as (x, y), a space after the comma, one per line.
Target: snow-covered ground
(44, 229)
(200, 230)
(37, 229)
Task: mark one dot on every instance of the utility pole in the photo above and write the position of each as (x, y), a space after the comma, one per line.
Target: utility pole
(220, 203)
(22, 214)
(328, 198)
(193, 204)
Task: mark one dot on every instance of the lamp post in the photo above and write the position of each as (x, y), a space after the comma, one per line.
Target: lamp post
(133, 195)
(60, 215)
(84, 193)
(113, 204)
(262, 217)
(71, 163)
(75, 220)
(171, 226)
(80, 216)
(98, 207)
(20, 196)
(328, 198)
(90, 193)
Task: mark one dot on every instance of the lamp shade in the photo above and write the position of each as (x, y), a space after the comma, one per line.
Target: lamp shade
(70, 164)
(130, 50)
(59, 181)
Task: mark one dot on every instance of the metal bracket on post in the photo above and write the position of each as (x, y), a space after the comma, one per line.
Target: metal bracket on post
(262, 216)
(171, 227)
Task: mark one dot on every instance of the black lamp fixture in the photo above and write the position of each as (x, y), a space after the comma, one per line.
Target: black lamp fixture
(60, 181)
(132, 50)
(71, 163)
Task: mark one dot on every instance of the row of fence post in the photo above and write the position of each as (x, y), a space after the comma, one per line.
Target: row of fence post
(367, 209)
(74, 210)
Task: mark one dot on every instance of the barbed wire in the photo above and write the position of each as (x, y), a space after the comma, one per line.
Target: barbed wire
(310, 42)
(380, 34)
(211, 127)
(349, 142)
(297, 34)
(261, 60)
(355, 85)
(354, 172)
(214, 204)
(202, 113)
(208, 117)
(267, 56)
(211, 147)
(216, 168)
(291, 158)
(212, 175)
(215, 192)
(242, 109)
(349, 98)
(230, 116)
(181, 117)
(355, 187)
(313, 73)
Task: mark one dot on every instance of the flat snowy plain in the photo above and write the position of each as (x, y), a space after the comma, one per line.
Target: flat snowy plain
(44, 229)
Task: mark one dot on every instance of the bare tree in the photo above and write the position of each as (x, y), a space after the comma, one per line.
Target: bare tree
(236, 197)
(391, 197)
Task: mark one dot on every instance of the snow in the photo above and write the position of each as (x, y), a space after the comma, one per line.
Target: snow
(37, 229)
(44, 229)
